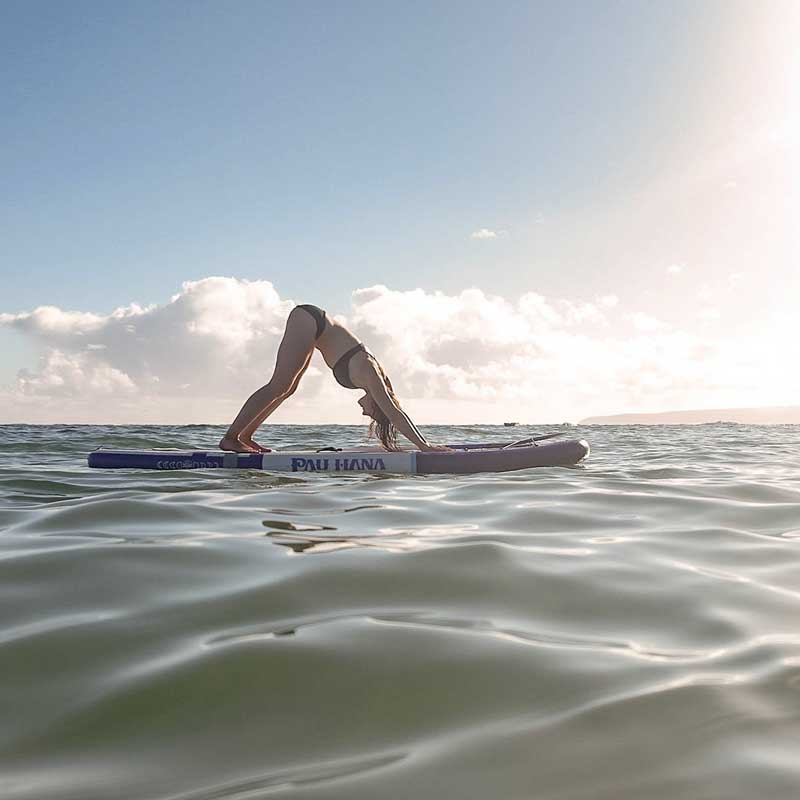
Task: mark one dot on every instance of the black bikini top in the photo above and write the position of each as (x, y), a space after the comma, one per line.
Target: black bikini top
(341, 369)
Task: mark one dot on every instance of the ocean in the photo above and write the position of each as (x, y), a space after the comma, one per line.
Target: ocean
(625, 628)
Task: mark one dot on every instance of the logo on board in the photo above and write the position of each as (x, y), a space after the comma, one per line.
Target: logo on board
(336, 464)
(186, 464)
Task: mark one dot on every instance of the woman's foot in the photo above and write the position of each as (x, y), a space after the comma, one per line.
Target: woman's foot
(250, 443)
(234, 445)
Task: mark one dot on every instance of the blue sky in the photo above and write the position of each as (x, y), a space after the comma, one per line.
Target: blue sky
(326, 147)
(147, 143)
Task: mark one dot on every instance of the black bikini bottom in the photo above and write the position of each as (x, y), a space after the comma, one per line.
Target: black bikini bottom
(319, 317)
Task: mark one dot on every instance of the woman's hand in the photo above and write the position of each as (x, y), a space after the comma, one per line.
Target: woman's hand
(437, 448)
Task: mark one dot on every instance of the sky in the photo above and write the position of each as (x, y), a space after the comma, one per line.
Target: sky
(534, 212)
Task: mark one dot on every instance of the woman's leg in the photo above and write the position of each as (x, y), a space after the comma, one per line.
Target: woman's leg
(294, 354)
(248, 430)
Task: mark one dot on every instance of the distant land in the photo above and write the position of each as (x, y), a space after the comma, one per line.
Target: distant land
(781, 415)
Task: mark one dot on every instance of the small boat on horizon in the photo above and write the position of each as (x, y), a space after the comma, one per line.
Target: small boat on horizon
(510, 424)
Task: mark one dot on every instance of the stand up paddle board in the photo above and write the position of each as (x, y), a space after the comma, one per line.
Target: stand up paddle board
(465, 458)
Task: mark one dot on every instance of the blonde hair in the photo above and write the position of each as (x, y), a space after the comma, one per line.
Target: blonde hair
(381, 427)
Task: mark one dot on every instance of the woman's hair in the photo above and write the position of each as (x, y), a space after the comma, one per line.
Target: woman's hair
(380, 427)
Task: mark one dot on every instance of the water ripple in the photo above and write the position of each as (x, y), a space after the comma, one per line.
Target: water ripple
(623, 629)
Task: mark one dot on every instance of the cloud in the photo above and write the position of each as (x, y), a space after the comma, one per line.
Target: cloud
(710, 314)
(705, 292)
(485, 233)
(674, 269)
(735, 280)
(52, 320)
(463, 357)
(213, 334)
(538, 355)
(69, 375)
(646, 323)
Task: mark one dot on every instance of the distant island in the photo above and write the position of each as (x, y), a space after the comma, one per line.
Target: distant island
(781, 415)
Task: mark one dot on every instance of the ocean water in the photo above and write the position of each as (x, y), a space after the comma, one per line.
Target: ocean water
(626, 628)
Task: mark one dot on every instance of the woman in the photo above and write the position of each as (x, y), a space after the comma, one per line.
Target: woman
(354, 367)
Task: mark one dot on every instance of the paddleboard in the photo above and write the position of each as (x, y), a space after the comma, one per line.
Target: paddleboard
(465, 458)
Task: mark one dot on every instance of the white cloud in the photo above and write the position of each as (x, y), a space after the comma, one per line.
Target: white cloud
(646, 323)
(710, 314)
(705, 292)
(462, 357)
(68, 375)
(52, 320)
(215, 334)
(735, 280)
(674, 269)
(484, 233)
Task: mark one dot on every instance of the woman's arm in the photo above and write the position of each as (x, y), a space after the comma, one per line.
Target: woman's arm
(395, 414)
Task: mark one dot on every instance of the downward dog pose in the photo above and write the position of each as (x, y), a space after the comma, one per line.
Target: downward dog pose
(354, 367)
